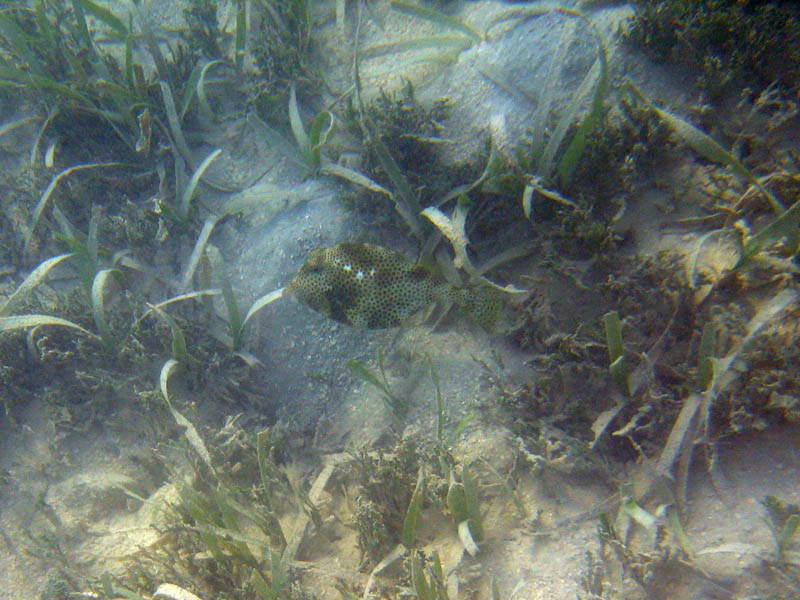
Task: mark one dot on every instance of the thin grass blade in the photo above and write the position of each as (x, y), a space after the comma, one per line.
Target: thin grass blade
(181, 298)
(406, 201)
(720, 249)
(12, 125)
(465, 535)
(98, 308)
(441, 411)
(83, 28)
(460, 427)
(766, 313)
(197, 252)
(258, 583)
(638, 514)
(170, 591)
(516, 14)
(574, 151)
(673, 521)
(450, 43)
(413, 512)
(705, 145)
(240, 40)
(22, 45)
(790, 528)
(175, 123)
(616, 350)
(567, 119)
(168, 369)
(42, 204)
(190, 89)
(296, 122)
(322, 128)
(354, 176)
(340, 14)
(495, 589)
(534, 185)
(234, 316)
(202, 98)
(453, 230)
(547, 98)
(33, 279)
(265, 300)
(784, 227)
(180, 351)
(26, 321)
(695, 413)
(707, 349)
(105, 16)
(569, 160)
(92, 243)
(395, 554)
(422, 588)
(434, 16)
(472, 504)
(456, 504)
(45, 83)
(191, 189)
(359, 369)
(129, 78)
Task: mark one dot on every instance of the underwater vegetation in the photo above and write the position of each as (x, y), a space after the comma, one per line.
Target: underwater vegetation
(413, 132)
(284, 55)
(666, 357)
(87, 90)
(730, 44)
(374, 287)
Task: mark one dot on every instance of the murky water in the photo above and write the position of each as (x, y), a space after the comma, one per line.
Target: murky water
(614, 183)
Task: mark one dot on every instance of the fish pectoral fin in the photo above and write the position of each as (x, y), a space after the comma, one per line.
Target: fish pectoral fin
(437, 312)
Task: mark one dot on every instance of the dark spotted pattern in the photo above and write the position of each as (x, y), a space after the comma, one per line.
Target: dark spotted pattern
(374, 287)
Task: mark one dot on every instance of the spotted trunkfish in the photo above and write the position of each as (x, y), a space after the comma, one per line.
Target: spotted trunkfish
(372, 287)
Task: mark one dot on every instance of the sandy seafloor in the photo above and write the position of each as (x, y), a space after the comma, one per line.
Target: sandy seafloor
(81, 485)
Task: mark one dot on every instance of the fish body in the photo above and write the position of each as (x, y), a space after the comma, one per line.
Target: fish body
(369, 286)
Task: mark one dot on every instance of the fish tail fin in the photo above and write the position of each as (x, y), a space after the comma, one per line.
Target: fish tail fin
(482, 304)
